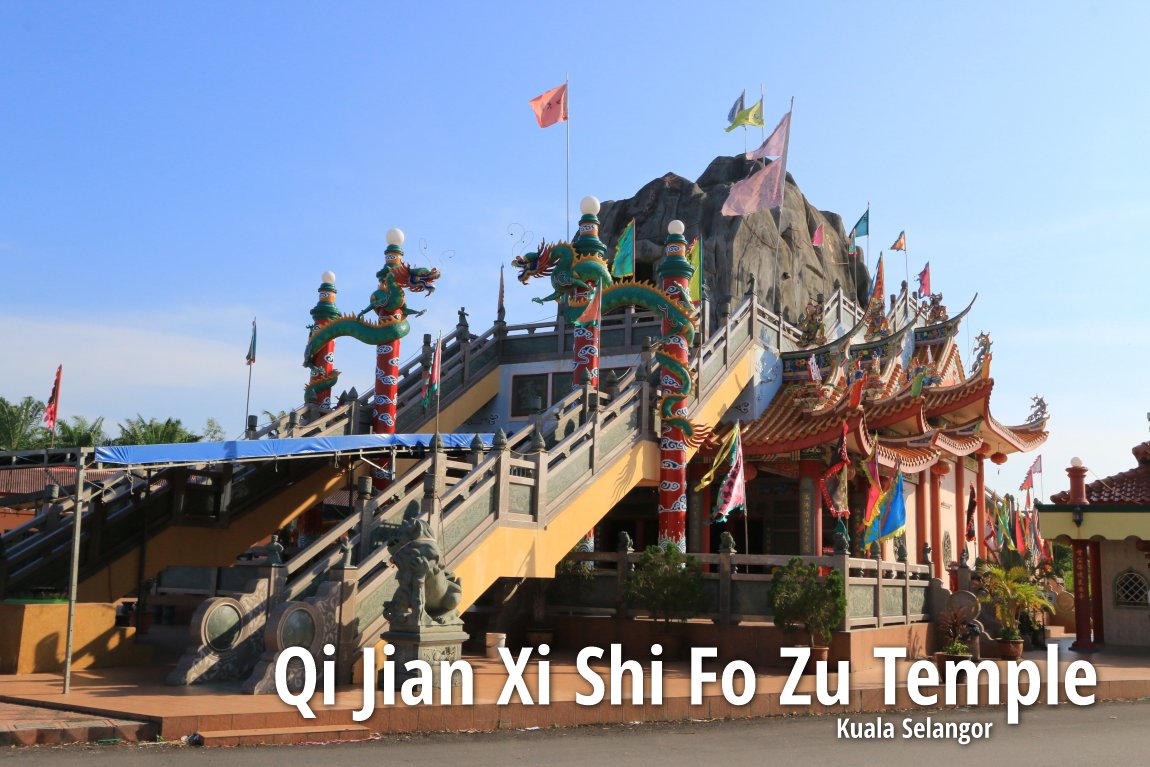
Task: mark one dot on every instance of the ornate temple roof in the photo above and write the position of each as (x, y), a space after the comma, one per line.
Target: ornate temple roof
(1126, 488)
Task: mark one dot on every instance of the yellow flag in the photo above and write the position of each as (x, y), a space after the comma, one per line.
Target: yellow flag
(695, 258)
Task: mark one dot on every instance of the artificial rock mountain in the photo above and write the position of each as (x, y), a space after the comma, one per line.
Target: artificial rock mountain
(736, 247)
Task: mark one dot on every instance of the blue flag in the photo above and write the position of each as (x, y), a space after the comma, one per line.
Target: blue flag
(890, 520)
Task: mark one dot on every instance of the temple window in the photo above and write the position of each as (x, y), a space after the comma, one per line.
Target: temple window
(1130, 589)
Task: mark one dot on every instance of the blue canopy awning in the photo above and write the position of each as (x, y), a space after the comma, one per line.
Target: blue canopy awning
(214, 452)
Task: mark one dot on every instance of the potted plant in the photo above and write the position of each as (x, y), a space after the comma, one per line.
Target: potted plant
(799, 598)
(953, 632)
(1011, 593)
(669, 584)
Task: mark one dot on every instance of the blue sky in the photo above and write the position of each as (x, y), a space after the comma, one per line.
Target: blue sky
(172, 170)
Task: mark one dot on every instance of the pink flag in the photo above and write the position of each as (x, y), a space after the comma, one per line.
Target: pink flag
(551, 107)
(776, 144)
(817, 239)
(924, 280)
(761, 191)
(1036, 467)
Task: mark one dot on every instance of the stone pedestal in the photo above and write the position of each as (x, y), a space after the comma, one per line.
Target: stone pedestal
(430, 644)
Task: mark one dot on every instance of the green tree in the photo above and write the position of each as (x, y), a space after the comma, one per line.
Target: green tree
(20, 427)
(81, 432)
(138, 431)
(214, 432)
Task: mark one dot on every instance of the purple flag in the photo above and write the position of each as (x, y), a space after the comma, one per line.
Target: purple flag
(776, 144)
(761, 191)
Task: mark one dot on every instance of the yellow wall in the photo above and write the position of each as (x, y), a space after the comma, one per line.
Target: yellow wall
(33, 638)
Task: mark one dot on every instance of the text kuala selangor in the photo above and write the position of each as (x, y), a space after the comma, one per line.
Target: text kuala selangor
(736, 680)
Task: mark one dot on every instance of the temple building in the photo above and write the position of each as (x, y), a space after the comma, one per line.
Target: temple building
(1107, 522)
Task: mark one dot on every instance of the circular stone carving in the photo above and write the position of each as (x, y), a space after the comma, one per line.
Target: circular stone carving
(964, 603)
(222, 627)
(947, 548)
(297, 629)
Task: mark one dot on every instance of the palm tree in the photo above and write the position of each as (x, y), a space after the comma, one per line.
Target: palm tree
(81, 432)
(138, 431)
(20, 424)
(1012, 593)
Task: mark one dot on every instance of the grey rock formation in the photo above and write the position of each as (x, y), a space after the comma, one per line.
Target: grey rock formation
(735, 247)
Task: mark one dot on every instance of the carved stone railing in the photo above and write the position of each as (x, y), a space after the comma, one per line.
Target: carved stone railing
(736, 587)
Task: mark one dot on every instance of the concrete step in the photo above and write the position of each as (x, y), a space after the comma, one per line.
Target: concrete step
(312, 733)
(76, 731)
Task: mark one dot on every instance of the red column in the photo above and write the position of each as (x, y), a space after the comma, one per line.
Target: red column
(936, 520)
(1082, 606)
(921, 517)
(1094, 548)
(674, 272)
(980, 516)
(322, 362)
(960, 494)
(386, 360)
(586, 346)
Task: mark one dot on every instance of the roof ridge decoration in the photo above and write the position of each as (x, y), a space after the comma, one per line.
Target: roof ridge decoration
(938, 330)
(935, 310)
(981, 364)
(829, 357)
(1038, 412)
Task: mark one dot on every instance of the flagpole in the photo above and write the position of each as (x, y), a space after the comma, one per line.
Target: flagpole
(906, 265)
(778, 304)
(567, 204)
(438, 387)
(251, 361)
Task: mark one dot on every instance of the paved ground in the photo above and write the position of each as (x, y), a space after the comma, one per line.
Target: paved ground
(1103, 733)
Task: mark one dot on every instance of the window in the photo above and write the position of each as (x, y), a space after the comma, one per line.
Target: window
(528, 394)
(1130, 589)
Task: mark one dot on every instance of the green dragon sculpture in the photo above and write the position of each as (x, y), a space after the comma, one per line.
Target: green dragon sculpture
(569, 270)
(389, 302)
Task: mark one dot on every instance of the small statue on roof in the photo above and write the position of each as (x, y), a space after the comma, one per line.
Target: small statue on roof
(935, 311)
(811, 324)
(1037, 410)
(982, 353)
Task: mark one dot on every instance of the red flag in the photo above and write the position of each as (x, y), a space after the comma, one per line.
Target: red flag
(971, 507)
(594, 311)
(817, 239)
(53, 402)
(856, 393)
(551, 107)
(924, 280)
(1028, 482)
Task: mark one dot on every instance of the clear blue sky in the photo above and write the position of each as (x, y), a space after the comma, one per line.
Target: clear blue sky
(172, 170)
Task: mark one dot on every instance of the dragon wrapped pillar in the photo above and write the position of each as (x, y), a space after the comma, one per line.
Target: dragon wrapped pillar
(674, 272)
(322, 362)
(387, 355)
(587, 246)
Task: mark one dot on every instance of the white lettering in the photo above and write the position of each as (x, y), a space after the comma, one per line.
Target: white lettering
(698, 676)
(300, 699)
(744, 668)
(583, 668)
(787, 697)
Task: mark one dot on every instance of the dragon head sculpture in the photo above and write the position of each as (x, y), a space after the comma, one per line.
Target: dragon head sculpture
(536, 264)
(417, 279)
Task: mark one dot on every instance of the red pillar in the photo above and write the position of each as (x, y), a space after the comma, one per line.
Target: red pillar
(323, 361)
(1082, 606)
(960, 494)
(936, 519)
(921, 517)
(674, 273)
(1094, 549)
(980, 516)
(386, 361)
